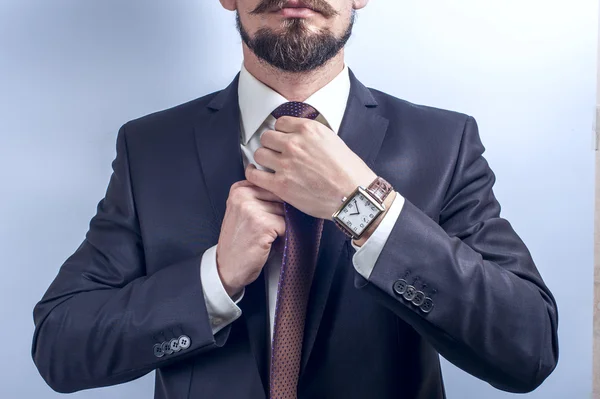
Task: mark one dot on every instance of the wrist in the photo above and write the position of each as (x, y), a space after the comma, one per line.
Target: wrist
(231, 290)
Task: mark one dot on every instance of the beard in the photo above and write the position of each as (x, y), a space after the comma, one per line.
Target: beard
(297, 48)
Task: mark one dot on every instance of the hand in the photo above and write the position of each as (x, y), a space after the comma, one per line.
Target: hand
(253, 219)
(313, 167)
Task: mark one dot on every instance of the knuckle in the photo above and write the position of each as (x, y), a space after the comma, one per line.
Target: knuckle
(235, 194)
(311, 132)
(247, 208)
(305, 128)
(292, 145)
(231, 200)
(238, 186)
(234, 187)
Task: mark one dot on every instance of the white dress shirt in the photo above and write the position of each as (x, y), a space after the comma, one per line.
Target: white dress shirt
(257, 101)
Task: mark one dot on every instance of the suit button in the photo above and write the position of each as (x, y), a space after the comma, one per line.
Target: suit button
(184, 342)
(427, 305)
(419, 298)
(410, 293)
(166, 347)
(175, 345)
(400, 286)
(158, 352)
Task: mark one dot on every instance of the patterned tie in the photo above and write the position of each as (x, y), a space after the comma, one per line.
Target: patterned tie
(302, 238)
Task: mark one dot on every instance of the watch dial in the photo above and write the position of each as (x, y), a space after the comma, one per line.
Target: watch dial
(358, 213)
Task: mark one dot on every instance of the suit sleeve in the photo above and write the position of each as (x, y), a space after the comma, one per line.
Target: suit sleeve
(469, 284)
(103, 320)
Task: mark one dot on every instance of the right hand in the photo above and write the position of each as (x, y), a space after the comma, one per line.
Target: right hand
(253, 219)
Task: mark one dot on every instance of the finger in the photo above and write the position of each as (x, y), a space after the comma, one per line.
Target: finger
(278, 224)
(290, 124)
(261, 178)
(280, 227)
(241, 183)
(260, 193)
(268, 158)
(254, 191)
(273, 139)
(273, 208)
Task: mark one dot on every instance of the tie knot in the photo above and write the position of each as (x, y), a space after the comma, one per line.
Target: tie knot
(297, 109)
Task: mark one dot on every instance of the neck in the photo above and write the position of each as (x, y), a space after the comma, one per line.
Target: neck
(293, 86)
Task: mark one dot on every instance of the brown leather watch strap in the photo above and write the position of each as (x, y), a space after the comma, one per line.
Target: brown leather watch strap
(380, 189)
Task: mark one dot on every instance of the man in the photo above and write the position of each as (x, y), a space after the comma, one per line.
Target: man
(297, 235)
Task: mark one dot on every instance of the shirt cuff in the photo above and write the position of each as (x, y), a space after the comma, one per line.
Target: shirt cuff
(222, 309)
(366, 256)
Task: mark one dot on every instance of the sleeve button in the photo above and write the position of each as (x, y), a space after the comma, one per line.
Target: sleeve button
(427, 305)
(419, 298)
(166, 348)
(158, 352)
(400, 286)
(410, 293)
(175, 345)
(184, 342)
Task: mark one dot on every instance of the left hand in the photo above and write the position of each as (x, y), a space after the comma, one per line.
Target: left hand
(313, 167)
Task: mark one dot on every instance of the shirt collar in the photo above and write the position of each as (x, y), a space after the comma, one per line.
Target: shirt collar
(257, 101)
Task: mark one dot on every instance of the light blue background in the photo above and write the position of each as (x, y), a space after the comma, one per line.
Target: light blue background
(72, 72)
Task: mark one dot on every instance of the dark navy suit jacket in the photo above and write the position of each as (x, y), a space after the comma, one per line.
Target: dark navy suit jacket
(134, 283)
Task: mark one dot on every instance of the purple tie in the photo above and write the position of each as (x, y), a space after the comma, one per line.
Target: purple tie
(302, 238)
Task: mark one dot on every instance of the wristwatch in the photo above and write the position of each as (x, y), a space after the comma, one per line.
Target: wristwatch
(362, 207)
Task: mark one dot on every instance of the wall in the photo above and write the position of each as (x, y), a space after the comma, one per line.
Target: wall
(73, 71)
(596, 334)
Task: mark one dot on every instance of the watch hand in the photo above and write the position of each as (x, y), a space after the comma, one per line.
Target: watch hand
(356, 206)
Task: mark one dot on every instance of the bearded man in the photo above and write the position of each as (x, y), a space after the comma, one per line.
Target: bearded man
(297, 235)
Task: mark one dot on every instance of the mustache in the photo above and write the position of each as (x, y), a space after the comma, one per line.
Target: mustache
(321, 6)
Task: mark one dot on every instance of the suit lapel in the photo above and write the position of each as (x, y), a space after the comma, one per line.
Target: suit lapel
(363, 130)
(218, 144)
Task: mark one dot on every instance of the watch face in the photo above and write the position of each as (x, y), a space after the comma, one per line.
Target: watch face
(358, 213)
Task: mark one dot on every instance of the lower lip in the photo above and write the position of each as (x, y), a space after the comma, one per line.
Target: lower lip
(296, 12)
